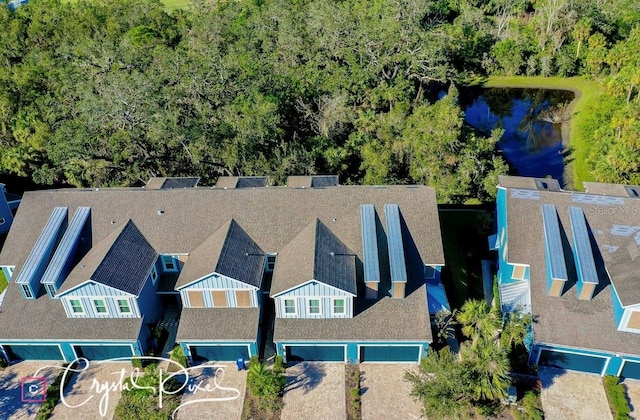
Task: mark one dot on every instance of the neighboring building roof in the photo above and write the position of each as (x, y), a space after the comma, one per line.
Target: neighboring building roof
(315, 254)
(614, 225)
(123, 261)
(45, 319)
(615, 190)
(229, 252)
(219, 324)
(242, 182)
(387, 319)
(313, 181)
(163, 183)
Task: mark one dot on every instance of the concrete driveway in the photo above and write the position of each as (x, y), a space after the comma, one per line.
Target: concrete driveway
(315, 390)
(11, 395)
(385, 394)
(93, 392)
(633, 392)
(214, 391)
(572, 395)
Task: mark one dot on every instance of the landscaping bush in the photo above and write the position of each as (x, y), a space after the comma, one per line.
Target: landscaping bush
(53, 395)
(529, 407)
(617, 399)
(177, 355)
(266, 384)
(353, 392)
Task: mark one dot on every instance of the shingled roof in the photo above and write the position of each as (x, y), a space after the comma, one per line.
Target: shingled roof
(231, 252)
(123, 260)
(614, 225)
(315, 254)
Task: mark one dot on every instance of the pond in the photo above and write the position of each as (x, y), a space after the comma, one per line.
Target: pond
(531, 144)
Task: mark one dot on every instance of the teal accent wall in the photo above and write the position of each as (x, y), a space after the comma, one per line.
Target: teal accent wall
(611, 368)
(618, 309)
(352, 349)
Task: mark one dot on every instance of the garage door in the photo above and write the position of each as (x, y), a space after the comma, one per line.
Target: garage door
(389, 353)
(630, 370)
(98, 352)
(315, 353)
(34, 352)
(222, 353)
(570, 361)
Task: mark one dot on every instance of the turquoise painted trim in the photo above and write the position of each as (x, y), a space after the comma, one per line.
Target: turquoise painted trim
(253, 346)
(613, 365)
(618, 309)
(353, 347)
(66, 347)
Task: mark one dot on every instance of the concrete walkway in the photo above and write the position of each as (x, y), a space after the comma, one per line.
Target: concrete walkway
(11, 393)
(385, 394)
(572, 395)
(315, 391)
(214, 391)
(633, 393)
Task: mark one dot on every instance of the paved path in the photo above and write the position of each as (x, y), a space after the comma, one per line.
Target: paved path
(633, 392)
(385, 394)
(572, 395)
(11, 405)
(222, 385)
(315, 391)
(83, 391)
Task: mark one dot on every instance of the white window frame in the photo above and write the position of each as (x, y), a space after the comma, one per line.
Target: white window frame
(51, 289)
(268, 267)
(333, 306)
(171, 260)
(295, 306)
(309, 300)
(95, 307)
(120, 308)
(81, 306)
(27, 292)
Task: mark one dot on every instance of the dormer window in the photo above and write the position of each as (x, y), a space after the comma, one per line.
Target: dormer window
(168, 263)
(26, 290)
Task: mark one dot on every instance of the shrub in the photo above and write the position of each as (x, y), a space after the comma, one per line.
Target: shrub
(177, 355)
(617, 398)
(529, 407)
(266, 384)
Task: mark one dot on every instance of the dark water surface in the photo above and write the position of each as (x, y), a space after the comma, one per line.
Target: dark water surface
(533, 147)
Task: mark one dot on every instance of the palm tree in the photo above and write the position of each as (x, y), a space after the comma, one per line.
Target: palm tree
(478, 319)
(488, 364)
(515, 329)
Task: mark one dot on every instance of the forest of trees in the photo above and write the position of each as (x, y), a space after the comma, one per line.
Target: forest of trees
(112, 92)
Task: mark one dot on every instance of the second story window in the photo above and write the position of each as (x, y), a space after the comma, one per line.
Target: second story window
(338, 306)
(26, 290)
(314, 306)
(168, 263)
(76, 306)
(101, 307)
(290, 306)
(123, 306)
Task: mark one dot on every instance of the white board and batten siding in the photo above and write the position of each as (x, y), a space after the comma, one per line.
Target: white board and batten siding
(217, 283)
(314, 290)
(90, 291)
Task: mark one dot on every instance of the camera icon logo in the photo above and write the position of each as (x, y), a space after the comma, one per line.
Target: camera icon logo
(33, 389)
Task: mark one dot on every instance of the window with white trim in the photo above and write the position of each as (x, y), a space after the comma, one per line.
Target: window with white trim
(123, 306)
(338, 306)
(290, 306)
(314, 306)
(100, 306)
(26, 290)
(51, 289)
(270, 263)
(169, 263)
(76, 306)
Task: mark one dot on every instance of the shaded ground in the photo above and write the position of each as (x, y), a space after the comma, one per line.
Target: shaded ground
(214, 391)
(83, 397)
(315, 391)
(11, 405)
(572, 395)
(633, 395)
(385, 395)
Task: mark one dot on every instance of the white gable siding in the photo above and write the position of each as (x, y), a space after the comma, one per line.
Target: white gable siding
(94, 289)
(302, 307)
(218, 282)
(314, 288)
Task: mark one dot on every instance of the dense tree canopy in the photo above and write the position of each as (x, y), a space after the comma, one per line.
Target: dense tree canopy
(112, 92)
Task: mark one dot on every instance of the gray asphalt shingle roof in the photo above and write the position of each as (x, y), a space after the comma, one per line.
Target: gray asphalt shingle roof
(218, 324)
(611, 221)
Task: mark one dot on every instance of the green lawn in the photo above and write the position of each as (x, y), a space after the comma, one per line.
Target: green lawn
(464, 237)
(586, 91)
(3, 281)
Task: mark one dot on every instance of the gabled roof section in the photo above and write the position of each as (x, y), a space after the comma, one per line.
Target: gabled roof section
(167, 183)
(122, 260)
(315, 254)
(242, 182)
(231, 252)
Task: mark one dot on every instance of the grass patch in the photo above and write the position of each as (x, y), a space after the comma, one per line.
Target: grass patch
(617, 398)
(464, 237)
(586, 93)
(352, 388)
(3, 281)
(53, 395)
